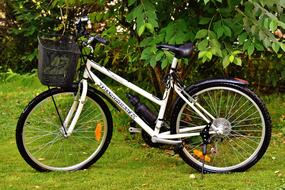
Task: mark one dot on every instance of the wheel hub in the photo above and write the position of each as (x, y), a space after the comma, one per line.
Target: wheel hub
(222, 126)
(63, 132)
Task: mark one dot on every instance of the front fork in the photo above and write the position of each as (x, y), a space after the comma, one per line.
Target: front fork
(76, 108)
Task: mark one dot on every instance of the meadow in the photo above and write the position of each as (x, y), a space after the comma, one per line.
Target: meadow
(129, 163)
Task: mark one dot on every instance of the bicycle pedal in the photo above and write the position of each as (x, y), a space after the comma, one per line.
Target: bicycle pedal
(133, 130)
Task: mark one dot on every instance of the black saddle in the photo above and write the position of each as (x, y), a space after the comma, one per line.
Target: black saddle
(180, 51)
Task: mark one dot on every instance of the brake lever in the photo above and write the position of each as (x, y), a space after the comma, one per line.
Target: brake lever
(101, 40)
(82, 19)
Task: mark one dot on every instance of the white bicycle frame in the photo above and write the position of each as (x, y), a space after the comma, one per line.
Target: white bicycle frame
(164, 137)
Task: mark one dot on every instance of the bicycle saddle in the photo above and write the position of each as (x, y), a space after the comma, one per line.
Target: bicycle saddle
(180, 51)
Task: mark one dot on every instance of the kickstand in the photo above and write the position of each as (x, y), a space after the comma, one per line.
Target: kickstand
(204, 151)
(206, 140)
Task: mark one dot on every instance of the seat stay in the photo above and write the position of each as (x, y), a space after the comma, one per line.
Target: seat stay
(193, 105)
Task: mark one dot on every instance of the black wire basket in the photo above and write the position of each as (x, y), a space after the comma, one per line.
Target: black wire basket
(58, 57)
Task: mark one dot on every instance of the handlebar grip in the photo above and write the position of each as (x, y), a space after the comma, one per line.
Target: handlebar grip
(101, 40)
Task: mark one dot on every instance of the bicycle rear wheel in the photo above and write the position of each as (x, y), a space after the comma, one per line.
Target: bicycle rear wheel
(241, 116)
(40, 138)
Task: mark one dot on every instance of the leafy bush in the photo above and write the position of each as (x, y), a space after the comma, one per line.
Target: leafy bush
(232, 38)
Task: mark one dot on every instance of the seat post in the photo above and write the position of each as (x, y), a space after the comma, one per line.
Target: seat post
(174, 63)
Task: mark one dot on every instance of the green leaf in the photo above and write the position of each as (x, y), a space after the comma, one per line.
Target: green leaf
(236, 52)
(212, 35)
(227, 31)
(153, 22)
(231, 58)
(146, 53)
(216, 51)
(273, 25)
(266, 23)
(220, 31)
(215, 43)
(204, 20)
(131, 2)
(283, 76)
(169, 56)
(261, 35)
(164, 64)
(203, 44)
(138, 11)
(206, 1)
(185, 61)
(169, 31)
(141, 30)
(201, 34)
(266, 43)
(226, 61)
(246, 45)
(202, 54)
(242, 37)
(152, 62)
(136, 14)
(209, 55)
(238, 61)
(159, 56)
(275, 46)
(146, 42)
(258, 46)
(150, 27)
(282, 45)
(250, 49)
(204, 59)
(130, 17)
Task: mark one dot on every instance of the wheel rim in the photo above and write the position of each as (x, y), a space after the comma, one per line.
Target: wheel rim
(247, 131)
(45, 143)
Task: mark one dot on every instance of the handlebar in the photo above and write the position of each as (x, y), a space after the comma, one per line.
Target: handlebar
(82, 19)
(97, 39)
(81, 31)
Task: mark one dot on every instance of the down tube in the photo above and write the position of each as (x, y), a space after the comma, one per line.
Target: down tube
(122, 104)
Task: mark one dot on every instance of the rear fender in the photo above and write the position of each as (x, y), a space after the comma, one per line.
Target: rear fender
(235, 81)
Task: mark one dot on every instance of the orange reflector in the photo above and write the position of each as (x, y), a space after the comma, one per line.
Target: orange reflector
(199, 154)
(98, 131)
(242, 81)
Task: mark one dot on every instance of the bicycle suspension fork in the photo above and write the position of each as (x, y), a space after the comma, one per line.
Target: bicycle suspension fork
(76, 107)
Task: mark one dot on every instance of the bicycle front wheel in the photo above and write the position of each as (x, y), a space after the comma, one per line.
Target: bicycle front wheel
(40, 137)
(238, 113)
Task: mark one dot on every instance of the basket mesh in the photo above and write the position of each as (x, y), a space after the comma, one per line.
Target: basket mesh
(58, 58)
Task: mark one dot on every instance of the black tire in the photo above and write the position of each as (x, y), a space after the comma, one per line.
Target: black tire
(40, 139)
(242, 116)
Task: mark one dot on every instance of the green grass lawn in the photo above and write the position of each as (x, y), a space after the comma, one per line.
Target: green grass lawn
(128, 163)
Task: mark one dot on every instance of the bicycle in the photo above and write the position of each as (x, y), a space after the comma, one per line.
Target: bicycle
(216, 125)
